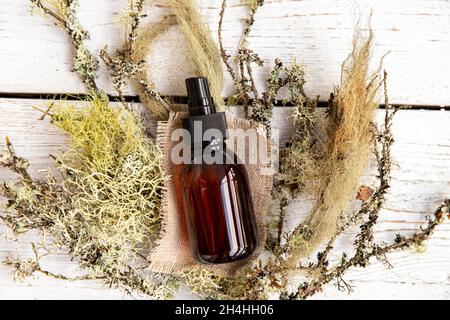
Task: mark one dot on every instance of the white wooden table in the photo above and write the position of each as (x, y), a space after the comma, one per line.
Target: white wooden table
(35, 61)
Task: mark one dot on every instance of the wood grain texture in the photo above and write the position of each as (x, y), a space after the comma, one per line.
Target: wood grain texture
(421, 180)
(36, 57)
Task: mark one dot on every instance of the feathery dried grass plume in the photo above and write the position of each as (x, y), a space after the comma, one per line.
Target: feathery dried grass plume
(201, 47)
(347, 145)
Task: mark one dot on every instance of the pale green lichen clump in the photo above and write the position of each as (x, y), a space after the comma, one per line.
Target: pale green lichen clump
(119, 180)
(104, 204)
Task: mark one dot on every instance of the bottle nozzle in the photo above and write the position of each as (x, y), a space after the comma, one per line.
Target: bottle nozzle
(200, 100)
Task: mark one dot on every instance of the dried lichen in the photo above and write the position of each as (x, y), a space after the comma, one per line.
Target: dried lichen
(64, 12)
(242, 76)
(120, 168)
(103, 207)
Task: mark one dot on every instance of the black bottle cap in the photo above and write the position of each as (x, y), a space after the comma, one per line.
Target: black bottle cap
(200, 101)
(203, 110)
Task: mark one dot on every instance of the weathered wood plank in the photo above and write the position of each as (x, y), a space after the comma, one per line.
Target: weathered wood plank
(35, 57)
(421, 180)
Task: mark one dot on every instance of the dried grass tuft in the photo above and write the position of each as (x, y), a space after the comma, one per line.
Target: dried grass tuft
(347, 144)
(202, 49)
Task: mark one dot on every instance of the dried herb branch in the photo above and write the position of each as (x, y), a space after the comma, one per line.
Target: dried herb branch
(136, 15)
(64, 12)
(366, 249)
(246, 92)
(128, 64)
(121, 66)
(16, 164)
(24, 269)
(121, 69)
(243, 79)
(225, 56)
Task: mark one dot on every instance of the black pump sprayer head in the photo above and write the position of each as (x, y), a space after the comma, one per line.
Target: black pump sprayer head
(200, 100)
(202, 110)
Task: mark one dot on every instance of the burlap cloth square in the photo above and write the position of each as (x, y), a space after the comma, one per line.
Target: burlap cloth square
(172, 253)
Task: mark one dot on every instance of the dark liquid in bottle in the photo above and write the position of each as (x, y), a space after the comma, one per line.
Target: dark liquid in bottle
(218, 203)
(216, 197)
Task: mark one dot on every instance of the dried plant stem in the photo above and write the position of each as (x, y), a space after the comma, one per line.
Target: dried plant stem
(280, 226)
(225, 56)
(115, 65)
(26, 268)
(262, 111)
(364, 253)
(14, 163)
(245, 65)
(85, 63)
(243, 78)
(128, 64)
(136, 9)
(148, 93)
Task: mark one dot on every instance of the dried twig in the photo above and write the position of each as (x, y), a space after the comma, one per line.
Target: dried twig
(16, 164)
(243, 79)
(85, 63)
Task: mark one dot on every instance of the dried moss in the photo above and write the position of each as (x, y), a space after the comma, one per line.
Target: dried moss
(120, 180)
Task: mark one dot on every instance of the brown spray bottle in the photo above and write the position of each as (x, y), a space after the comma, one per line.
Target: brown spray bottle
(216, 194)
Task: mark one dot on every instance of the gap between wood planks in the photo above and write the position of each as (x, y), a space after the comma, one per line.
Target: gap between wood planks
(178, 100)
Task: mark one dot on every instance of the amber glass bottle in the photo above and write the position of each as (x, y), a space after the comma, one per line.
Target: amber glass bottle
(216, 194)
